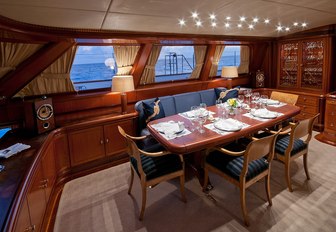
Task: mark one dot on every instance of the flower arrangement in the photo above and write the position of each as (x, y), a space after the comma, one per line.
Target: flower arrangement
(232, 102)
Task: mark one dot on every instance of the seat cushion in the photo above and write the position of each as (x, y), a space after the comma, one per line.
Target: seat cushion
(208, 97)
(158, 166)
(232, 165)
(153, 110)
(224, 95)
(184, 101)
(282, 144)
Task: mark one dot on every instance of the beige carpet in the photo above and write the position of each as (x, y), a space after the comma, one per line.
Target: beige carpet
(99, 202)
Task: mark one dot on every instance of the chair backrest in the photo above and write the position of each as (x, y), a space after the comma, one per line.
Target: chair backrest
(131, 148)
(259, 148)
(303, 128)
(284, 97)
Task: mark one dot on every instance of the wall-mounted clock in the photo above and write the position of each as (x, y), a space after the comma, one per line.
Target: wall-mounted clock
(39, 115)
(260, 79)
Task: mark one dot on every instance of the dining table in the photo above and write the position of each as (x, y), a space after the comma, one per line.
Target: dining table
(192, 140)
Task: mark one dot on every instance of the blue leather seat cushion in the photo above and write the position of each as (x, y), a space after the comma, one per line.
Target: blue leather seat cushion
(208, 97)
(233, 165)
(282, 144)
(184, 101)
(158, 166)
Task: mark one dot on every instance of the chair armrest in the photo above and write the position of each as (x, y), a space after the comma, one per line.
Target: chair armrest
(232, 153)
(138, 138)
(154, 154)
(284, 132)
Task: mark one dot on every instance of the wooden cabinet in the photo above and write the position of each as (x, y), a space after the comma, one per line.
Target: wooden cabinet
(96, 142)
(329, 133)
(304, 65)
(309, 106)
(34, 204)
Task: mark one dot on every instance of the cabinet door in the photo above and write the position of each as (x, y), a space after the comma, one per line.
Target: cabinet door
(49, 170)
(114, 142)
(312, 64)
(36, 199)
(86, 145)
(23, 221)
(289, 67)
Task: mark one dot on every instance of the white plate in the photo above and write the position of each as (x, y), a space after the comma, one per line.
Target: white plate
(228, 125)
(169, 126)
(261, 113)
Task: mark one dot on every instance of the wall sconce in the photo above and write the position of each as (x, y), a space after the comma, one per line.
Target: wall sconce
(229, 72)
(123, 84)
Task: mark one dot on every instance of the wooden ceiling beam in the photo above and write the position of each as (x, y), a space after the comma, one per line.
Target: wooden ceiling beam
(14, 81)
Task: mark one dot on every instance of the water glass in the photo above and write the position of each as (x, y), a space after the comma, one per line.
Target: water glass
(218, 104)
(194, 120)
(263, 100)
(202, 119)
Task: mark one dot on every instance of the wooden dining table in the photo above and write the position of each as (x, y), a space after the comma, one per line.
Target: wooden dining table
(196, 141)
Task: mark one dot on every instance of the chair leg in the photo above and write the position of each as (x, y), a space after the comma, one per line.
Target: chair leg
(144, 197)
(243, 206)
(268, 189)
(206, 177)
(305, 165)
(288, 179)
(184, 199)
(131, 184)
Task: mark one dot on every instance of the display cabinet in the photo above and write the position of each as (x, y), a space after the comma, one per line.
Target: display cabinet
(304, 65)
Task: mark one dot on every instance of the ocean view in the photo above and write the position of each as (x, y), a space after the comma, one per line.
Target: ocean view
(163, 71)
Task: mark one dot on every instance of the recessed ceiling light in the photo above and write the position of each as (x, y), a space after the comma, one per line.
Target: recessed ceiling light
(182, 22)
(194, 15)
(214, 24)
(304, 24)
(198, 23)
(287, 28)
(266, 21)
(239, 25)
(228, 17)
(250, 26)
(279, 28)
(212, 16)
(227, 25)
(242, 19)
(295, 24)
(255, 20)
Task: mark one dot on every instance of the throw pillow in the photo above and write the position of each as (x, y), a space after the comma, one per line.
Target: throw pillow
(225, 94)
(153, 110)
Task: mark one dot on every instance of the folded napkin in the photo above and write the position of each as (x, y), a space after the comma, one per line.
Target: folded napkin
(264, 113)
(169, 127)
(228, 125)
(12, 150)
(272, 102)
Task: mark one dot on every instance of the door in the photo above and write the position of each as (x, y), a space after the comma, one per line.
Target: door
(86, 145)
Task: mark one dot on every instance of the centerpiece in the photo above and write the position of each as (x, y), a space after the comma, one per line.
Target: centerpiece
(232, 103)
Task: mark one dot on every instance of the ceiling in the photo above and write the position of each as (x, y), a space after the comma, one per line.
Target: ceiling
(163, 15)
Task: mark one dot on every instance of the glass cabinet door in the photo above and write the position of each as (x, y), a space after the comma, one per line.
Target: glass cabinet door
(312, 64)
(289, 64)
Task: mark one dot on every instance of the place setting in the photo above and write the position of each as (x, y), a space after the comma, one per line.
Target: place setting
(226, 126)
(262, 114)
(171, 129)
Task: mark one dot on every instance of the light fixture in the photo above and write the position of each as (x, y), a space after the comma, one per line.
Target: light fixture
(287, 29)
(123, 84)
(227, 25)
(198, 23)
(266, 21)
(229, 72)
(214, 24)
(212, 16)
(242, 19)
(228, 17)
(279, 28)
(239, 25)
(295, 24)
(194, 15)
(304, 24)
(250, 26)
(255, 20)
(182, 22)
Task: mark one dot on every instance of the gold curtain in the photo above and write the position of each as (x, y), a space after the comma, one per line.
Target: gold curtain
(218, 54)
(12, 54)
(244, 59)
(199, 52)
(125, 56)
(54, 79)
(148, 76)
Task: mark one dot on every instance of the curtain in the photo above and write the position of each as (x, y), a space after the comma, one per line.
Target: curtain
(54, 79)
(199, 52)
(244, 59)
(12, 54)
(125, 56)
(148, 76)
(218, 54)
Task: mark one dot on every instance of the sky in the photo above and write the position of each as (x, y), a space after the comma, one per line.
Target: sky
(98, 54)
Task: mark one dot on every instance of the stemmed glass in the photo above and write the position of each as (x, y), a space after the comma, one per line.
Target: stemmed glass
(202, 117)
(241, 99)
(264, 100)
(195, 110)
(248, 94)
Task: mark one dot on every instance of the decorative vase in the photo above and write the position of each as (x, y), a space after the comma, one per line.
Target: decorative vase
(232, 111)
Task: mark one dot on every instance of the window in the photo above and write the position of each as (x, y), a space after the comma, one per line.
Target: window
(174, 63)
(230, 57)
(93, 67)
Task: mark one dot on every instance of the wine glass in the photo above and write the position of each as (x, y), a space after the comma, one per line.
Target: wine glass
(193, 120)
(241, 99)
(248, 94)
(218, 105)
(202, 117)
(256, 96)
(264, 100)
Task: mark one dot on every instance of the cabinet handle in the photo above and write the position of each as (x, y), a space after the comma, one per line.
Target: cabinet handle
(30, 228)
(43, 186)
(107, 140)
(101, 141)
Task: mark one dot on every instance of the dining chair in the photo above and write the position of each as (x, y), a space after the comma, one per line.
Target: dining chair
(152, 168)
(288, 98)
(295, 143)
(242, 165)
